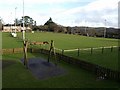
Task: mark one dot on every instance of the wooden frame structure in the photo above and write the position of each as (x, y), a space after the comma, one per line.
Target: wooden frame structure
(52, 51)
(26, 43)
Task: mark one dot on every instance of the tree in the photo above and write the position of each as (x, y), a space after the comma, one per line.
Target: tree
(28, 21)
(53, 27)
(35, 23)
(49, 22)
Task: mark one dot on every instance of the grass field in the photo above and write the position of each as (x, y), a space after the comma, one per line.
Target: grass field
(106, 59)
(9, 42)
(62, 41)
(17, 76)
(65, 41)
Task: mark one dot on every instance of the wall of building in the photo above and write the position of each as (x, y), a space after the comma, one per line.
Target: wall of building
(12, 28)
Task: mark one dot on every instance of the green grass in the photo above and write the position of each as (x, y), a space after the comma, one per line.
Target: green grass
(9, 42)
(106, 59)
(65, 41)
(62, 41)
(17, 76)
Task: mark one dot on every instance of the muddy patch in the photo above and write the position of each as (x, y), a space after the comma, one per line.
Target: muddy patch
(41, 69)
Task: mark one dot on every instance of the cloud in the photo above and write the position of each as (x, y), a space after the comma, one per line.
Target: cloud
(64, 12)
(94, 14)
(8, 2)
(50, 1)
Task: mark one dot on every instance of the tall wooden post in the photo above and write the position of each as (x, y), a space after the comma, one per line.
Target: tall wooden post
(91, 50)
(50, 51)
(62, 51)
(25, 43)
(51, 46)
(111, 48)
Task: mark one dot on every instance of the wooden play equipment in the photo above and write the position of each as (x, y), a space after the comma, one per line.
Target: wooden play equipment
(25, 47)
(26, 44)
(38, 43)
(52, 51)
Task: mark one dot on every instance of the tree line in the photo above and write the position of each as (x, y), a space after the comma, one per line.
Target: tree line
(28, 21)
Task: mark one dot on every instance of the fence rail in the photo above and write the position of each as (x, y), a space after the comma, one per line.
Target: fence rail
(88, 49)
(12, 50)
(19, 50)
(67, 50)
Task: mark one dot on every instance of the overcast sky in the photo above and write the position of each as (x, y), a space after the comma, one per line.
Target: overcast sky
(63, 12)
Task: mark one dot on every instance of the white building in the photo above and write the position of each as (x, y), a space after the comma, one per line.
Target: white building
(12, 28)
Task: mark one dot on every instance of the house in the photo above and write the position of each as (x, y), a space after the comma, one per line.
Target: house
(11, 28)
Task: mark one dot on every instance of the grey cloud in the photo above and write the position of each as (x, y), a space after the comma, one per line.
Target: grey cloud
(97, 17)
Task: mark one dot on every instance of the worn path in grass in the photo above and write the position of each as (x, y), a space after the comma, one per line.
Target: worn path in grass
(41, 69)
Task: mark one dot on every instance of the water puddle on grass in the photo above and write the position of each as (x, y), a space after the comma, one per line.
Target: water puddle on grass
(41, 69)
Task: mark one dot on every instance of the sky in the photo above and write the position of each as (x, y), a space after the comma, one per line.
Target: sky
(93, 13)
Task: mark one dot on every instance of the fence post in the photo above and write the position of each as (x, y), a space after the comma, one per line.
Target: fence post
(119, 48)
(111, 48)
(91, 50)
(78, 51)
(13, 50)
(102, 49)
(61, 56)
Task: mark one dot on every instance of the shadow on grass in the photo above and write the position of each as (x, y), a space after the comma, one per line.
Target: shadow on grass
(7, 63)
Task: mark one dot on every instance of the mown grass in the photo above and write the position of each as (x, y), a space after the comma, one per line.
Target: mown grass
(9, 42)
(62, 41)
(106, 59)
(17, 76)
(65, 41)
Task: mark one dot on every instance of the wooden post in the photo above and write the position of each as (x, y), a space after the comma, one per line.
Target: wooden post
(91, 50)
(102, 50)
(78, 51)
(31, 50)
(51, 47)
(62, 51)
(55, 56)
(50, 51)
(13, 50)
(111, 48)
(49, 55)
(25, 43)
